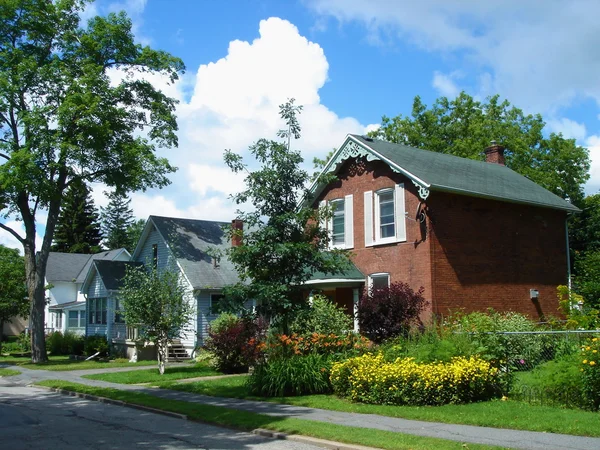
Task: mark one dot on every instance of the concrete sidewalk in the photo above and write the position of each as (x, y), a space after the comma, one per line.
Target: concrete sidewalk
(461, 433)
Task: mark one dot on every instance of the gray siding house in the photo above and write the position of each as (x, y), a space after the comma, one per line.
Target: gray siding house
(193, 248)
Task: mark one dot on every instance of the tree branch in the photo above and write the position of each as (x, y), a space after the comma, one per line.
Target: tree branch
(13, 232)
(6, 157)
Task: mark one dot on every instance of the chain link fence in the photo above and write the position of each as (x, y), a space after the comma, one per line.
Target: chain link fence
(518, 354)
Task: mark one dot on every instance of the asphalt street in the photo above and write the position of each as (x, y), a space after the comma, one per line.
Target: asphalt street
(33, 418)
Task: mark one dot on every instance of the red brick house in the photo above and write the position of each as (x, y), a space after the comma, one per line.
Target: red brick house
(474, 234)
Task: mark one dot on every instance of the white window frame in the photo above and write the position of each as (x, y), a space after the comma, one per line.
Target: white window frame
(348, 214)
(372, 216)
(377, 211)
(377, 275)
(80, 318)
(330, 223)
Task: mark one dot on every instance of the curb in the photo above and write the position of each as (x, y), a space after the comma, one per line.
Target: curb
(333, 445)
(110, 401)
(259, 431)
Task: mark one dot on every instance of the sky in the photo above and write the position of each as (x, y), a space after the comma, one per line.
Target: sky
(349, 62)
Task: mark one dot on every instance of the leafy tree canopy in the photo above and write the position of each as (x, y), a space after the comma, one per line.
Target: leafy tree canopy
(77, 229)
(63, 118)
(13, 293)
(117, 218)
(283, 244)
(156, 302)
(465, 127)
(134, 233)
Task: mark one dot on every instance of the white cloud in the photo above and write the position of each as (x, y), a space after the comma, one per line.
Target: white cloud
(8, 240)
(539, 55)
(445, 85)
(235, 101)
(569, 128)
(593, 184)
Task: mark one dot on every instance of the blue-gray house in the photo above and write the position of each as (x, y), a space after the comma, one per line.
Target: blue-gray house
(194, 248)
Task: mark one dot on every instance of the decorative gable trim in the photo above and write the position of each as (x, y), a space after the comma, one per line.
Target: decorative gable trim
(352, 148)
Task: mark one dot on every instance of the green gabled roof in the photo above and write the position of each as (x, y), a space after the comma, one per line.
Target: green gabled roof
(442, 172)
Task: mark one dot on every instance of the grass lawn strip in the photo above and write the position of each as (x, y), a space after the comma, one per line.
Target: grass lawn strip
(8, 372)
(248, 421)
(496, 414)
(152, 375)
(63, 363)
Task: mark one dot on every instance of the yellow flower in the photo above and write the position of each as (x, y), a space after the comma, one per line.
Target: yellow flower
(584, 361)
(592, 363)
(504, 398)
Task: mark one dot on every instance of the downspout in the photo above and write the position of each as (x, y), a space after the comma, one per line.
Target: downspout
(568, 253)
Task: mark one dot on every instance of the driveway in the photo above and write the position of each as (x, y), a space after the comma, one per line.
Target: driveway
(32, 418)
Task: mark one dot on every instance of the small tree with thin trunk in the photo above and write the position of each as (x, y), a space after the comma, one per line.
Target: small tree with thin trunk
(157, 303)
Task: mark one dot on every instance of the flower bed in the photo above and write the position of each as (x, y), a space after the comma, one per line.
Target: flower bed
(369, 379)
(590, 355)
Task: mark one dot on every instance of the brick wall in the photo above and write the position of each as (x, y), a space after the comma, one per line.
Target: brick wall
(490, 254)
(408, 261)
(470, 253)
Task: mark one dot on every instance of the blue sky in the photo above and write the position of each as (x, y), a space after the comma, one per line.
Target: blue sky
(349, 62)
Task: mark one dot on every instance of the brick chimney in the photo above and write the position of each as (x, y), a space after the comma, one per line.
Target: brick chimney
(494, 153)
(237, 227)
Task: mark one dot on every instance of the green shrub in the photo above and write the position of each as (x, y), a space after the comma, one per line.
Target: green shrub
(94, 344)
(556, 382)
(296, 375)
(322, 317)
(369, 379)
(65, 344)
(25, 342)
(340, 346)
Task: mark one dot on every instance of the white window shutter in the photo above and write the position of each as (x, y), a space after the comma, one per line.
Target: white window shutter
(322, 220)
(368, 218)
(348, 222)
(400, 213)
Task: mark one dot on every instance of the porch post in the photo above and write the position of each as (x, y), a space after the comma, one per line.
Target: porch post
(355, 303)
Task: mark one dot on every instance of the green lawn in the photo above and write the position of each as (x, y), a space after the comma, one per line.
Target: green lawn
(497, 413)
(8, 372)
(248, 421)
(152, 375)
(60, 363)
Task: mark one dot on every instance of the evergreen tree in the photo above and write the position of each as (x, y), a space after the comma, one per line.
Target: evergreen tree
(117, 218)
(134, 233)
(78, 227)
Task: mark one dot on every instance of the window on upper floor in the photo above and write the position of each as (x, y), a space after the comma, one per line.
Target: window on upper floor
(155, 255)
(340, 225)
(385, 216)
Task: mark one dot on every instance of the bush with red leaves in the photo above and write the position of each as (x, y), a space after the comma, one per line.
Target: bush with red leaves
(385, 313)
(236, 342)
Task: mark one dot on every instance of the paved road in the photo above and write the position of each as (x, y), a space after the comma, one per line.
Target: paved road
(32, 418)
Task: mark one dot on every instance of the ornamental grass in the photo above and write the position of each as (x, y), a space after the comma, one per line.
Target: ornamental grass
(370, 379)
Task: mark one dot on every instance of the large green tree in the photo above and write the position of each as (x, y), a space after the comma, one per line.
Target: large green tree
(117, 218)
(63, 118)
(158, 303)
(134, 233)
(13, 293)
(465, 126)
(78, 226)
(283, 244)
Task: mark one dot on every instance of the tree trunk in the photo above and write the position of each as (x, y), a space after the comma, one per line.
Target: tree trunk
(162, 349)
(37, 299)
